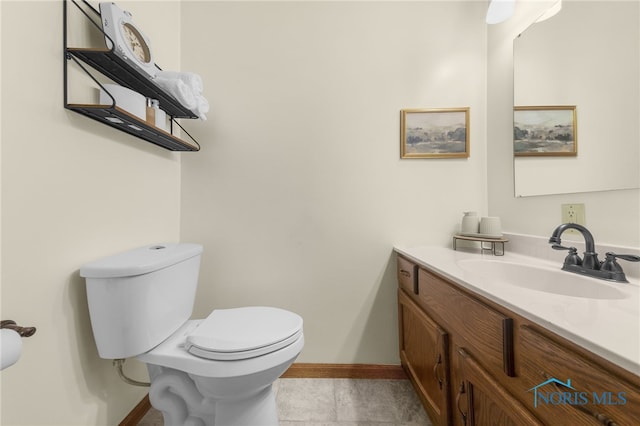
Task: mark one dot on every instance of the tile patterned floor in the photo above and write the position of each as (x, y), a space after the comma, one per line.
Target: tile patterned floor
(340, 402)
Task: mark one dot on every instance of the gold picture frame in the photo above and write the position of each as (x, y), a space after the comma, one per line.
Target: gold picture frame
(434, 133)
(545, 131)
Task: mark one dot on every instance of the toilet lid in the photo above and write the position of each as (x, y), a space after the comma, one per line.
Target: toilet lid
(241, 333)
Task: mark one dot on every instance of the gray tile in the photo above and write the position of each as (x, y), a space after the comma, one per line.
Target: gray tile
(340, 402)
(391, 401)
(308, 400)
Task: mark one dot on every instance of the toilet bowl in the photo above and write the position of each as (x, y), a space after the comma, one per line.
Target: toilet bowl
(213, 371)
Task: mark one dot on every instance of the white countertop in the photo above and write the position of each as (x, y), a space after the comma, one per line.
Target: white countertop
(608, 328)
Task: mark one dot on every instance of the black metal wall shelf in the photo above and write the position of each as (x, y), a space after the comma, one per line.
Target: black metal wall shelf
(120, 119)
(107, 63)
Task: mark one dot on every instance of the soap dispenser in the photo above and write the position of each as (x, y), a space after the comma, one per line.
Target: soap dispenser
(470, 223)
(155, 116)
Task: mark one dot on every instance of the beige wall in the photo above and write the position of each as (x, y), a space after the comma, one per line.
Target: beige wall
(73, 190)
(612, 216)
(299, 194)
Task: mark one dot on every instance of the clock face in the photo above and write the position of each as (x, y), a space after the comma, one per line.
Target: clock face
(125, 40)
(136, 43)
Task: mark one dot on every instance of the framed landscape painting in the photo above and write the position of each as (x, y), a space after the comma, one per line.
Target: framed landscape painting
(434, 133)
(545, 131)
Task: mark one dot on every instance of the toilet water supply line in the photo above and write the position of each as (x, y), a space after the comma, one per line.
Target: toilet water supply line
(118, 364)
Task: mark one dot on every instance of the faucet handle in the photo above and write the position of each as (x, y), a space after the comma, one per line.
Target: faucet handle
(614, 267)
(610, 263)
(627, 257)
(572, 258)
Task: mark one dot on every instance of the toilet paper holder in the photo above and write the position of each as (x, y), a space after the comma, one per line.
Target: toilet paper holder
(22, 331)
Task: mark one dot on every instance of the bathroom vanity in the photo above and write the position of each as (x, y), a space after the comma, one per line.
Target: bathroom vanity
(481, 351)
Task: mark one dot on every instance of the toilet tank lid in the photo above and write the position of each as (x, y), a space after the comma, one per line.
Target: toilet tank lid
(140, 261)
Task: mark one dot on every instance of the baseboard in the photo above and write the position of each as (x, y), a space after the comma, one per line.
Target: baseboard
(304, 371)
(344, 371)
(138, 412)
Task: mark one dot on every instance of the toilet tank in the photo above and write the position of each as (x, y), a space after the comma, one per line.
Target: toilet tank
(140, 297)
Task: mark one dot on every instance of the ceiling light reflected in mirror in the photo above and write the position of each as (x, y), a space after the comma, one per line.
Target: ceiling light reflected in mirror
(551, 12)
(500, 10)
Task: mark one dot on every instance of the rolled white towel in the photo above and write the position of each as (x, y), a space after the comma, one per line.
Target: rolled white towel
(179, 90)
(193, 80)
(202, 107)
(186, 87)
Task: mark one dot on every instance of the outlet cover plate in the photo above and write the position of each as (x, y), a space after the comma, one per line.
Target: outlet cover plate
(573, 213)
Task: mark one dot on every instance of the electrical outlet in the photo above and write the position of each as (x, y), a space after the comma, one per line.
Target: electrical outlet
(573, 213)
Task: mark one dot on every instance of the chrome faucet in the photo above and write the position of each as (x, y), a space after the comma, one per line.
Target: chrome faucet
(608, 270)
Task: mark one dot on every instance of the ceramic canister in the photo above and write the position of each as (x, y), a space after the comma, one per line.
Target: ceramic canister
(469, 223)
(491, 226)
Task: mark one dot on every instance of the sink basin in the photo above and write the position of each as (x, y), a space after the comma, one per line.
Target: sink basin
(541, 279)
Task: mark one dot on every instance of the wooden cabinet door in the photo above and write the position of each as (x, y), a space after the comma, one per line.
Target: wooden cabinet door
(424, 354)
(482, 401)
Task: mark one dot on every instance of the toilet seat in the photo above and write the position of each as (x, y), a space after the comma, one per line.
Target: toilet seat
(172, 354)
(242, 333)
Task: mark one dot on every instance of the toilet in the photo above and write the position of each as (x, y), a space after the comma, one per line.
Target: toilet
(213, 371)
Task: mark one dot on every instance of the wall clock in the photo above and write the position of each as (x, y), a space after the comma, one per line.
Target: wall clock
(130, 43)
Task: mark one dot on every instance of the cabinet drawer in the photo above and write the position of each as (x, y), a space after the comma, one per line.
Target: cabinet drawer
(407, 276)
(487, 334)
(587, 394)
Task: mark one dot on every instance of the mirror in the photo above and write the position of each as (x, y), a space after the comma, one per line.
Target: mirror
(587, 56)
